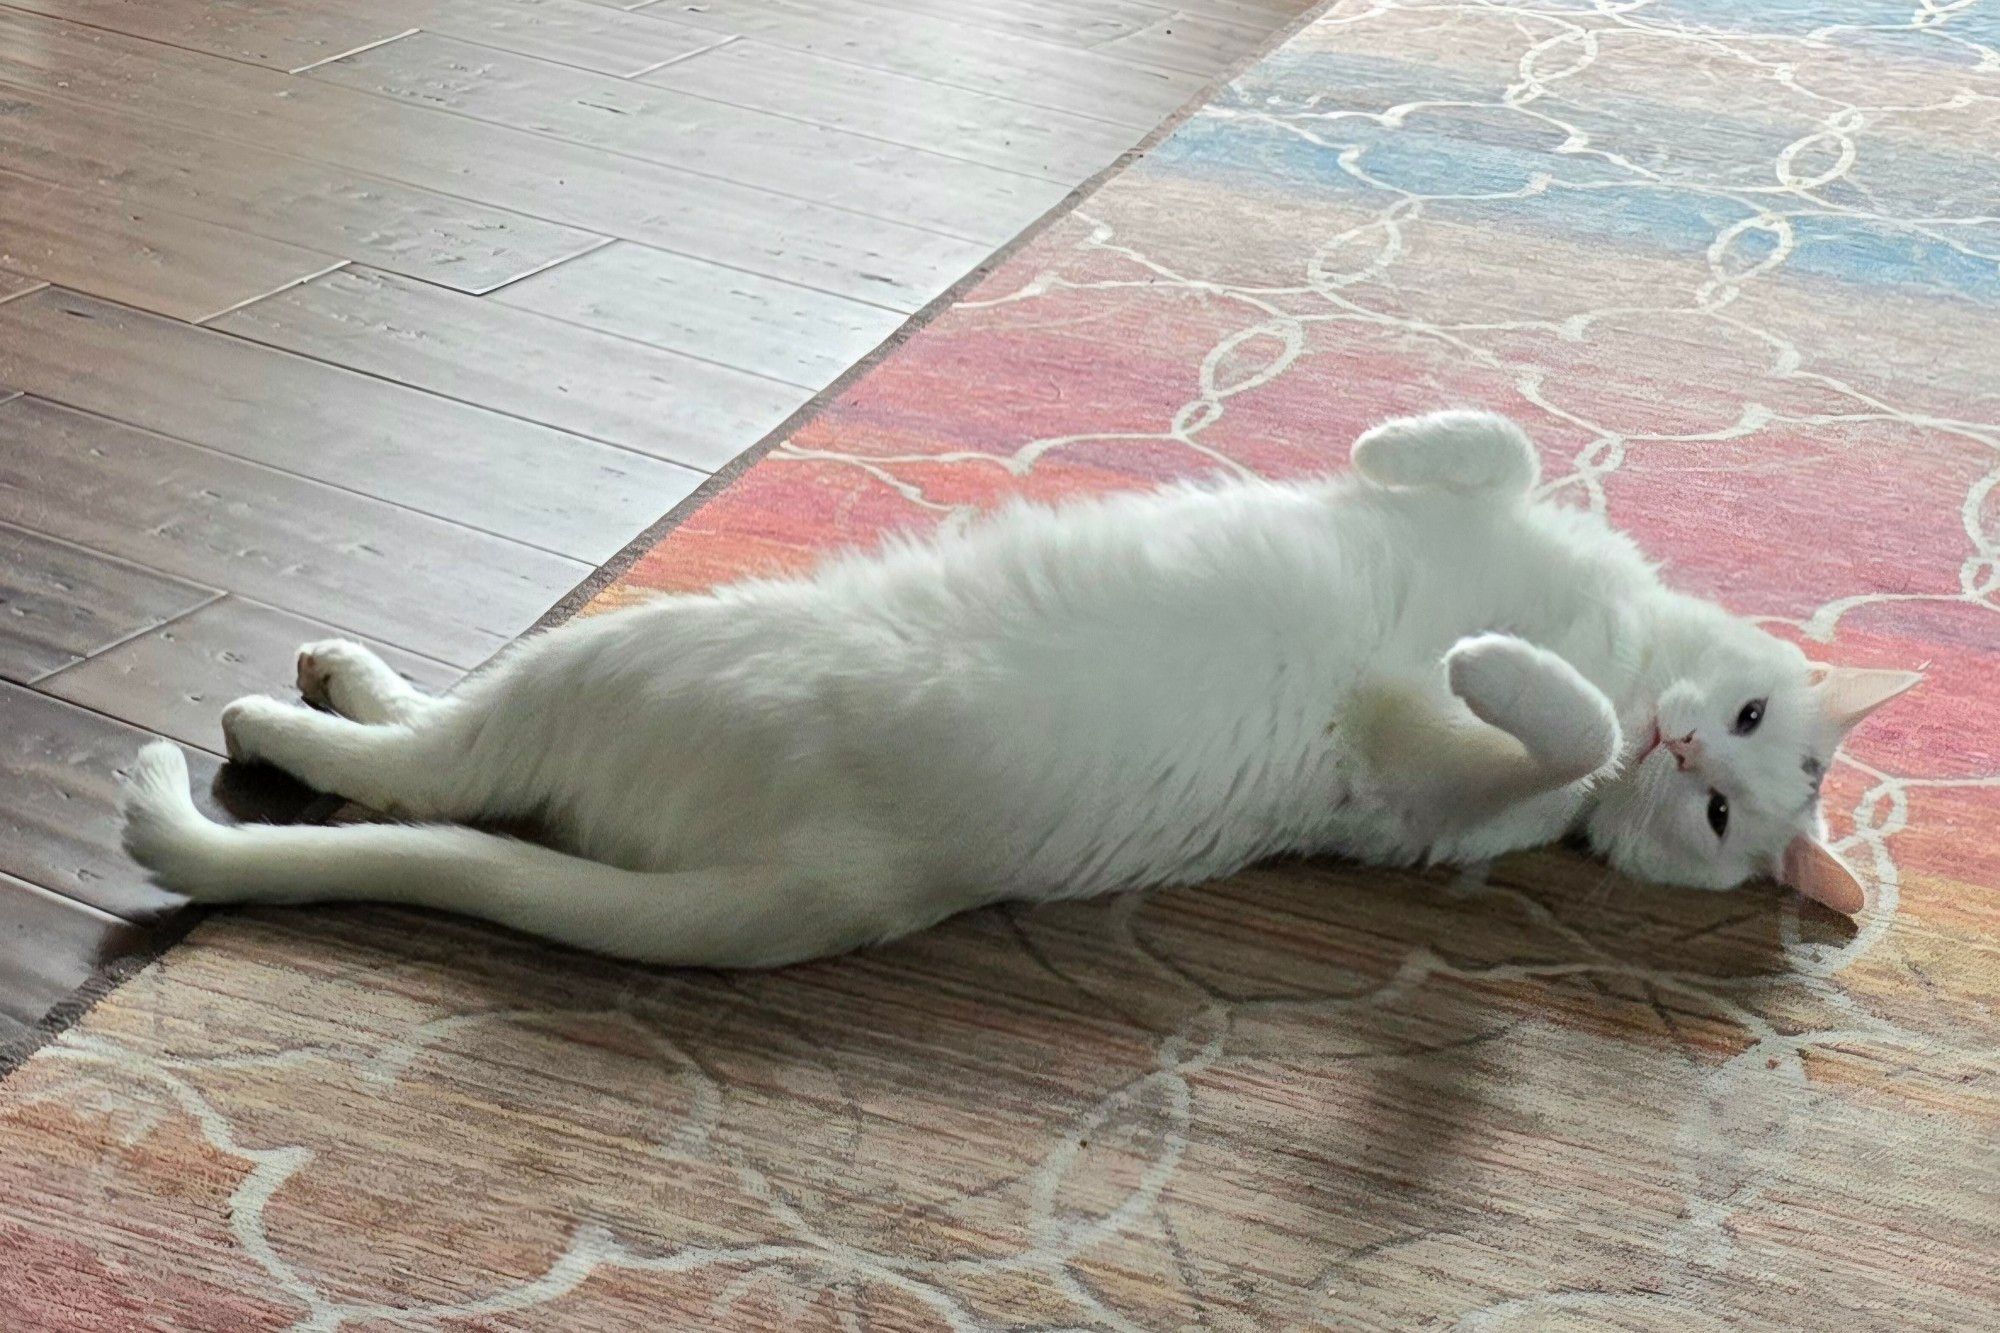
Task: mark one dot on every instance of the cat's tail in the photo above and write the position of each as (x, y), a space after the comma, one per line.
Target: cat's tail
(728, 916)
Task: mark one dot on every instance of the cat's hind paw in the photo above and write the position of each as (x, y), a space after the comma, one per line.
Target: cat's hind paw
(1460, 451)
(345, 678)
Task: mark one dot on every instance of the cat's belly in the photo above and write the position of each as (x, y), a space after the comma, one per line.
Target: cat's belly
(1080, 849)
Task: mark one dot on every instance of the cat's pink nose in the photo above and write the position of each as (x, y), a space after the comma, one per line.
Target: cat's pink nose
(1685, 749)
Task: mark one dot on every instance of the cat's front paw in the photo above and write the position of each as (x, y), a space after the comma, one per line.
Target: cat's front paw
(1492, 672)
(1538, 698)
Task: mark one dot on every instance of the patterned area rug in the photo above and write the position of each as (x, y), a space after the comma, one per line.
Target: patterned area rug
(1737, 266)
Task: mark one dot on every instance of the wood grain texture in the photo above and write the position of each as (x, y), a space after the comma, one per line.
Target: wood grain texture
(1270, 14)
(285, 35)
(918, 112)
(195, 514)
(59, 767)
(516, 361)
(172, 167)
(276, 34)
(402, 227)
(569, 32)
(1186, 42)
(157, 260)
(505, 476)
(873, 177)
(60, 603)
(803, 337)
(1064, 22)
(1041, 73)
(49, 945)
(175, 680)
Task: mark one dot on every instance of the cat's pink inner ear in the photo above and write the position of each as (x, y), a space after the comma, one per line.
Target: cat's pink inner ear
(1848, 694)
(1812, 868)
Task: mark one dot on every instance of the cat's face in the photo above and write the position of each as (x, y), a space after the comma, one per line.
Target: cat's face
(1722, 784)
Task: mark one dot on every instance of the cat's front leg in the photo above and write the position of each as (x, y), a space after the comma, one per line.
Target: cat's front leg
(1565, 723)
(1530, 725)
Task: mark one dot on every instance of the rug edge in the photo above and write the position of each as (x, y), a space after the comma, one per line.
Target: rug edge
(103, 981)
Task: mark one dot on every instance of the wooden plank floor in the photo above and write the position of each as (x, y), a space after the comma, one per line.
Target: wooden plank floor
(394, 318)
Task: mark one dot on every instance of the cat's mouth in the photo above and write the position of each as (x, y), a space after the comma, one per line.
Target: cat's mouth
(1652, 743)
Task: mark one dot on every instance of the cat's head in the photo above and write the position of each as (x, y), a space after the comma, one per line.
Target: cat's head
(1721, 784)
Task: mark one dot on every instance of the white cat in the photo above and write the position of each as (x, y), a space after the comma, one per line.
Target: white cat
(1419, 663)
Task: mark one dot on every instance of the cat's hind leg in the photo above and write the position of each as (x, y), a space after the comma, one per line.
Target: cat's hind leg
(1455, 451)
(400, 768)
(345, 678)
(759, 914)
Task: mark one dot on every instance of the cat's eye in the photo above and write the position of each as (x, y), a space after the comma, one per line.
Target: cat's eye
(1747, 720)
(1718, 812)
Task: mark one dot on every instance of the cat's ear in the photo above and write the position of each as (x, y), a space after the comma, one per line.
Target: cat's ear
(1810, 866)
(1848, 694)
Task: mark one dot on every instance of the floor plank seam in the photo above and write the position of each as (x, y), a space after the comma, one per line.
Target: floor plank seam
(539, 269)
(84, 548)
(360, 174)
(120, 33)
(498, 290)
(1050, 177)
(571, 324)
(580, 561)
(226, 134)
(85, 197)
(969, 23)
(108, 717)
(365, 46)
(572, 431)
(89, 909)
(677, 168)
(511, 415)
(1140, 122)
(35, 683)
(537, 56)
(311, 615)
(320, 620)
(249, 301)
(839, 129)
(681, 59)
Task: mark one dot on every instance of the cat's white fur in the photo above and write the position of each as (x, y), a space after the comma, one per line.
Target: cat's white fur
(1420, 662)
